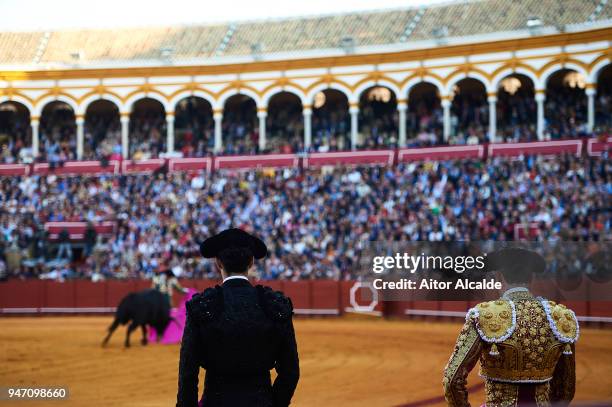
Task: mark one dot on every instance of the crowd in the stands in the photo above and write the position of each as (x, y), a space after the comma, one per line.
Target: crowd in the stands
(565, 117)
(57, 135)
(315, 222)
(102, 137)
(194, 129)
(147, 134)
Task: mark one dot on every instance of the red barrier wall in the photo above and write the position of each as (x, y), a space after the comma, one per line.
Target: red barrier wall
(426, 305)
(22, 294)
(345, 287)
(90, 294)
(116, 290)
(60, 295)
(325, 295)
(601, 308)
(276, 285)
(299, 292)
(32, 296)
(454, 306)
(320, 297)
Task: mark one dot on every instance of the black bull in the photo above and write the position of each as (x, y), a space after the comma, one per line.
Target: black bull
(148, 307)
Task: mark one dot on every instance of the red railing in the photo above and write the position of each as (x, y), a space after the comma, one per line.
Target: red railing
(592, 147)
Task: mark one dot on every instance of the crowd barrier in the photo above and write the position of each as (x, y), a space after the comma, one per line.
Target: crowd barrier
(310, 297)
(77, 168)
(321, 297)
(370, 157)
(593, 147)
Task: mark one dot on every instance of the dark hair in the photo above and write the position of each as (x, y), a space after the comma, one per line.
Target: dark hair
(517, 274)
(236, 260)
(518, 266)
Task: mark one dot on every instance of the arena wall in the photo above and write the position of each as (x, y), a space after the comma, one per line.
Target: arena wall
(323, 297)
(309, 297)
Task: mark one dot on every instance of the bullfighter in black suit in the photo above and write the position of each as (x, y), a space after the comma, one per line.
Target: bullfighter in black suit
(238, 333)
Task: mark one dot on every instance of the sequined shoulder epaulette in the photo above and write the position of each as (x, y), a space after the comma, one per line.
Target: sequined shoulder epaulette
(562, 321)
(205, 306)
(495, 320)
(276, 305)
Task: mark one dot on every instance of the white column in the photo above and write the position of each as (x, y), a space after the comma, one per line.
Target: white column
(170, 132)
(80, 122)
(354, 111)
(261, 115)
(35, 142)
(540, 97)
(307, 112)
(590, 92)
(446, 105)
(218, 118)
(125, 130)
(492, 118)
(402, 106)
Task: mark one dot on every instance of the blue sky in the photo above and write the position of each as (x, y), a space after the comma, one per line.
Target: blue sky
(22, 15)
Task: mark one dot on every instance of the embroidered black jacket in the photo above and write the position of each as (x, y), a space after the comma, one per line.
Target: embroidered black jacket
(238, 333)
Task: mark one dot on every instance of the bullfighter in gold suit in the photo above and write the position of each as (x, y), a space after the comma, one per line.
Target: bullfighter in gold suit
(525, 344)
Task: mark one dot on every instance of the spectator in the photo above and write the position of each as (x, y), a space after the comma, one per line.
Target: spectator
(315, 221)
(89, 238)
(64, 247)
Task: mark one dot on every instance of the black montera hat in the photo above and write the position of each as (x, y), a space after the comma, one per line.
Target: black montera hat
(233, 238)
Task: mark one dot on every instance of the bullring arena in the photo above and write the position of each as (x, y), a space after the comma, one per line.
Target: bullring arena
(347, 358)
(344, 362)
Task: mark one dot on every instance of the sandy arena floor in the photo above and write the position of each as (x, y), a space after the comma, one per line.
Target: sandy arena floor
(345, 362)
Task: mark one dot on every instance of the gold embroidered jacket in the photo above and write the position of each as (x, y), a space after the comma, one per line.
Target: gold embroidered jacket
(519, 340)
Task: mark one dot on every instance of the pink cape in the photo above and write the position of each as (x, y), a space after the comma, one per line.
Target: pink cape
(174, 331)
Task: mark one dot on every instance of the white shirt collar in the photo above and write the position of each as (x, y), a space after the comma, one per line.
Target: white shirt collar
(514, 290)
(234, 278)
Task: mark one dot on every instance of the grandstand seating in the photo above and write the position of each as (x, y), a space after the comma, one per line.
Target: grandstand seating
(315, 212)
(301, 186)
